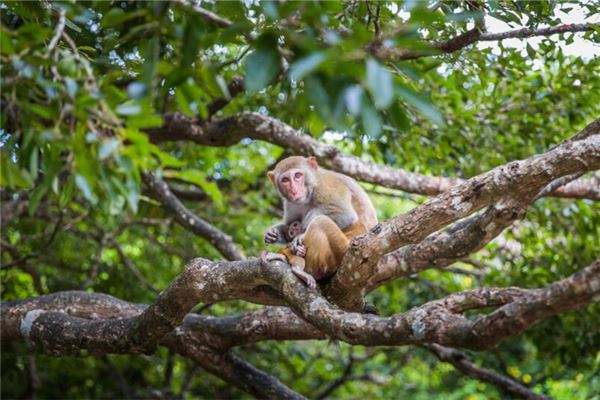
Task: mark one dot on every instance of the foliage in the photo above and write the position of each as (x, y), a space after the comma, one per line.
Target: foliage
(76, 109)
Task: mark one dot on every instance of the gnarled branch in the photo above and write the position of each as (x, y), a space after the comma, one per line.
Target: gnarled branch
(230, 130)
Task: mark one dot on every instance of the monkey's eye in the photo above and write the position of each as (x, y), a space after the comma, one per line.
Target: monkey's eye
(297, 175)
(285, 180)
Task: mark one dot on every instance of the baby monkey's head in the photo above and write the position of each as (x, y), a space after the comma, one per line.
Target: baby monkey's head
(294, 229)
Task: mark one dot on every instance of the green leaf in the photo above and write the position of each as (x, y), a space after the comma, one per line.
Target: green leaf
(421, 103)
(85, 188)
(379, 82)
(261, 66)
(6, 45)
(182, 103)
(142, 121)
(33, 163)
(370, 119)
(42, 111)
(66, 194)
(198, 178)
(191, 40)
(306, 65)
(128, 108)
(36, 196)
(399, 118)
(318, 95)
(72, 25)
(133, 194)
(108, 147)
(11, 175)
(530, 51)
(116, 16)
(353, 97)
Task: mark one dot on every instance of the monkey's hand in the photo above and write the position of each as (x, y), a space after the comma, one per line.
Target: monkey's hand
(297, 246)
(274, 235)
(304, 276)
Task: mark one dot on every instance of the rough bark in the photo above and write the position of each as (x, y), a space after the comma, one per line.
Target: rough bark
(518, 179)
(442, 321)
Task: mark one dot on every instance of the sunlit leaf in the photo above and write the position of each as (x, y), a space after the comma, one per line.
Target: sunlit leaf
(421, 103)
(379, 83)
(85, 188)
(306, 65)
(261, 67)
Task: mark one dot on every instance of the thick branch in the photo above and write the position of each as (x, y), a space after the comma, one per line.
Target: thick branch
(201, 281)
(440, 321)
(444, 248)
(462, 363)
(228, 131)
(221, 241)
(517, 179)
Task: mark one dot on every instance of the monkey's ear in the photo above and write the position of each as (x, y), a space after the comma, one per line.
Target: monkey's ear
(312, 161)
(271, 176)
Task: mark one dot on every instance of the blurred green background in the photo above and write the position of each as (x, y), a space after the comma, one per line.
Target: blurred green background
(73, 146)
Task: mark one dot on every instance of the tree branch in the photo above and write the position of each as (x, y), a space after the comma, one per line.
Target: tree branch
(234, 370)
(442, 249)
(186, 218)
(461, 362)
(208, 16)
(441, 321)
(518, 179)
(99, 308)
(228, 131)
(379, 50)
(527, 32)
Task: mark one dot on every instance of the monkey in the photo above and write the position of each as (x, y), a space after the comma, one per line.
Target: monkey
(333, 209)
(293, 257)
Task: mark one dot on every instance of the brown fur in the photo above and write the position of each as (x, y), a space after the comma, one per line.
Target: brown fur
(337, 211)
(326, 245)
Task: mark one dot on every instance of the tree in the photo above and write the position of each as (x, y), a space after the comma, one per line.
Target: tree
(135, 141)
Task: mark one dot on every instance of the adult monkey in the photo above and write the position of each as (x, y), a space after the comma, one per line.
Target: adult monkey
(333, 209)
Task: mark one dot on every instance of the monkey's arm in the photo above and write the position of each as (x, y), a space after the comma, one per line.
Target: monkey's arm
(335, 202)
(305, 277)
(297, 264)
(276, 234)
(355, 229)
(293, 259)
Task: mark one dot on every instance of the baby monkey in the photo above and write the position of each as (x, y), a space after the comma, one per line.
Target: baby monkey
(293, 254)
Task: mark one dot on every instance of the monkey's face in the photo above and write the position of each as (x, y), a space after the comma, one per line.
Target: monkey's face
(292, 185)
(295, 178)
(294, 229)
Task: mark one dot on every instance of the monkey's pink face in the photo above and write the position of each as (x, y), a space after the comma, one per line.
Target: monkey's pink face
(292, 185)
